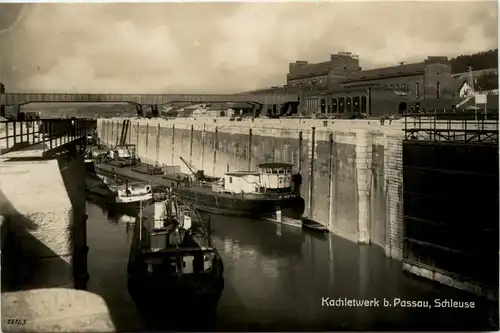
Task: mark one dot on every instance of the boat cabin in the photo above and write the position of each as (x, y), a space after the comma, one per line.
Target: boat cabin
(276, 177)
(177, 231)
(132, 190)
(271, 177)
(242, 182)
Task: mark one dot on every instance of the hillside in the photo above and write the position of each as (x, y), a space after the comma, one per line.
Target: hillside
(481, 60)
(104, 110)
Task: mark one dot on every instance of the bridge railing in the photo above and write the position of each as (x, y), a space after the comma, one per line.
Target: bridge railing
(456, 127)
(18, 134)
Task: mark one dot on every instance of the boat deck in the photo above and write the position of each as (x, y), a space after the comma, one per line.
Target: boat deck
(207, 189)
(166, 181)
(127, 172)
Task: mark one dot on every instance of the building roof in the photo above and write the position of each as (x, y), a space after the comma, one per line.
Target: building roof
(275, 165)
(310, 70)
(456, 85)
(242, 173)
(380, 73)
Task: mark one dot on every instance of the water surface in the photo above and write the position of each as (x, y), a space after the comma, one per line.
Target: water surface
(276, 278)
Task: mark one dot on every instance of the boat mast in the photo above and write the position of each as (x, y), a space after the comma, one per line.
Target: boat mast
(140, 223)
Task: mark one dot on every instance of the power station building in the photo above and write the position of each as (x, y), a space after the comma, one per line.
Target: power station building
(340, 85)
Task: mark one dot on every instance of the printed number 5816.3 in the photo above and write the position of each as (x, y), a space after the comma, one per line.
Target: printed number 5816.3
(16, 321)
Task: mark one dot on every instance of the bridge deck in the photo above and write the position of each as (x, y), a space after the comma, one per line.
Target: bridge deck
(38, 138)
(39, 149)
(146, 99)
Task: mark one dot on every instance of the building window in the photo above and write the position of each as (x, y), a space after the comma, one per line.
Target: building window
(438, 90)
(417, 90)
(230, 180)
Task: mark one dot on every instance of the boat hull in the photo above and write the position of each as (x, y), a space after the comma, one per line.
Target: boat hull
(204, 292)
(133, 200)
(235, 205)
(99, 191)
(157, 279)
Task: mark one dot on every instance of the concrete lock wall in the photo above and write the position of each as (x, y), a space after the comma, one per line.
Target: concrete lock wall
(351, 170)
(44, 203)
(73, 172)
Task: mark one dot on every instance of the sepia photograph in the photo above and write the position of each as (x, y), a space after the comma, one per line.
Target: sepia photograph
(249, 166)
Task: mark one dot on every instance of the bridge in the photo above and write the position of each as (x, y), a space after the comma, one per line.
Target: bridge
(152, 100)
(143, 99)
(32, 139)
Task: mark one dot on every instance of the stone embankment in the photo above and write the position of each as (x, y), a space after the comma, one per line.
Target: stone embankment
(42, 216)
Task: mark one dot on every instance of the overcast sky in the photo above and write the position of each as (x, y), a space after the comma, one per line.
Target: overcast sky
(225, 47)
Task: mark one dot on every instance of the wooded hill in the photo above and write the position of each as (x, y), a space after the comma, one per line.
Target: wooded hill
(481, 60)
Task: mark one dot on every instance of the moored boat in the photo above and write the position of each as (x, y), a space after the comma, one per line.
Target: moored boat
(303, 222)
(131, 194)
(121, 162)
(173, 260)
(121, 156)
(118, 196)
(312, 225)
(248, 193)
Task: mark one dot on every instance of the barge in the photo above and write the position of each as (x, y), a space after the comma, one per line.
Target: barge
(122, 163)
(242, 193)
(173, 262)
(248, 193)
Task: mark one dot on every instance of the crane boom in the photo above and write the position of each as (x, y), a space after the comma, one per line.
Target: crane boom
(190, 167)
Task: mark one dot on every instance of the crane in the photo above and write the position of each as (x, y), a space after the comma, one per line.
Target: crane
(198, 175)
(189, 166)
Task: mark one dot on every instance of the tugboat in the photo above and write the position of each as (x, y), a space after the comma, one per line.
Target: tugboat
(131, 195)
(248, 193)
(173, 262)
(118, 196)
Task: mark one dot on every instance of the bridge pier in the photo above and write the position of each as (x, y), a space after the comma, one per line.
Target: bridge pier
(17, 111)
(2, 107)
(256, 109)
(154, 110)
(138, 108)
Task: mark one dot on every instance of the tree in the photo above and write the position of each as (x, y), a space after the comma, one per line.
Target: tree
(488, 81)
(481, 60)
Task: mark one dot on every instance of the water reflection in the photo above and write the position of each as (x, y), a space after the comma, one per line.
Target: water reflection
(276, 277)
(269, 239)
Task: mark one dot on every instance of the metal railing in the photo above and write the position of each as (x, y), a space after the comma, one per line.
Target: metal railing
(452, 127)
(489, 113)
(51, 132)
